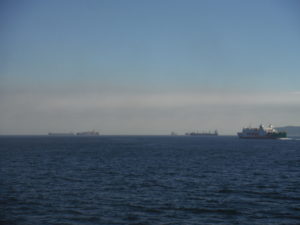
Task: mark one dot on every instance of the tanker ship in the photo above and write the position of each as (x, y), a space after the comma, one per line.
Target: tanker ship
(88, 133)
(203, 133)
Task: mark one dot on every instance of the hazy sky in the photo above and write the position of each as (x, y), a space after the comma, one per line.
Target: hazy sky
(148, 67)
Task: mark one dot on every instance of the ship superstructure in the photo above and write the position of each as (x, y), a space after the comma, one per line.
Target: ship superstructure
(261, 133)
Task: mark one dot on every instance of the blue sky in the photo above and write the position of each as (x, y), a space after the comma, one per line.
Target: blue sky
(135, 67)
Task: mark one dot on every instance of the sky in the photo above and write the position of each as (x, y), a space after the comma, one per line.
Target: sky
(148, 67)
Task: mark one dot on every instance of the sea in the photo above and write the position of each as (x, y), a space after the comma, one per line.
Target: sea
(148, 180)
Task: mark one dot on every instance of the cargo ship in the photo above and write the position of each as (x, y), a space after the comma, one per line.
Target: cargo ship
(61, 134)
(261, 133)
(88, 133)
(202, 133)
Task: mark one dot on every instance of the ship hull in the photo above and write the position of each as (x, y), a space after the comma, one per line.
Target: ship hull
(202, 135)
(259, 137)
(272, 136)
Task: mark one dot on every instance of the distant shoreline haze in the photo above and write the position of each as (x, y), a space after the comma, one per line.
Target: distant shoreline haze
(291, 131)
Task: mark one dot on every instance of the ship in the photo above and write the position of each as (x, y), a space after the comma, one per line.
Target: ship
(88, 133)
(261, 132)
(61, 134)
(203, 133)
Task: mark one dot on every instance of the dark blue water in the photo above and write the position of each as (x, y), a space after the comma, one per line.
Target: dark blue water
(149, 180)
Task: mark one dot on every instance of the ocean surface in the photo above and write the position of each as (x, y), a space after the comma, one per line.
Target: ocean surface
(148, 180)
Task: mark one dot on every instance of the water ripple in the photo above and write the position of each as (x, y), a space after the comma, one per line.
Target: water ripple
(148, 180)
